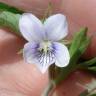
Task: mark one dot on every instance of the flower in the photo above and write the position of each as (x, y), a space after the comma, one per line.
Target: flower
(42, 48)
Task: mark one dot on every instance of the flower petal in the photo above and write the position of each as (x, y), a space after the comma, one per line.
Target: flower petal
(56, 27)
(29, 50)
(61, 54)
(32, 54)
(31, 27)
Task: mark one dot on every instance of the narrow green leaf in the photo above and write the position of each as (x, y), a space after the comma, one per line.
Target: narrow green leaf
(89, 63)
(77, 40)
(92, 68)
(79, 51)
(10, 20)
(93, 95)
(5, 7)
(79, 46)
(84, 45)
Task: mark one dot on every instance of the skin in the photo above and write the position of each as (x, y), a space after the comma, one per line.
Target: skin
(20, 79)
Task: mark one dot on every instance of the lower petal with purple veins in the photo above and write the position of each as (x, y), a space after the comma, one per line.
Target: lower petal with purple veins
(32, 54)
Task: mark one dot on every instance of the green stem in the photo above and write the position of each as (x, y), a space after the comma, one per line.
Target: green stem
(64, 73)
(51, 83)
(48, 89)
(56, 76)
(52, 72)
(48, 12)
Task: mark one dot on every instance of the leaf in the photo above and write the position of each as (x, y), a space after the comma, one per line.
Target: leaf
(92, 68)
(10, 20)
(93, 95)
(77, 40)
(78, 46)
(88, 65)
(84, 45)
(72, 65)
(91, 62)
(5, 7)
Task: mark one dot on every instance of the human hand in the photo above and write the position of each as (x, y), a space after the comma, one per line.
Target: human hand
(16, 76)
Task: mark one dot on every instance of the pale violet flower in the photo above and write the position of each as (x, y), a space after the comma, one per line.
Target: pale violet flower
(42, 48)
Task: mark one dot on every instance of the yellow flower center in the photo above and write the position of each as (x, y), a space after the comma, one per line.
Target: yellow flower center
(45, 46)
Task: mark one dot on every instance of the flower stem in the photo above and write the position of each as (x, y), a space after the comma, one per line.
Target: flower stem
(48, 12)
(48, 89)
(51, 84)
(52, 72)
(56, 76)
